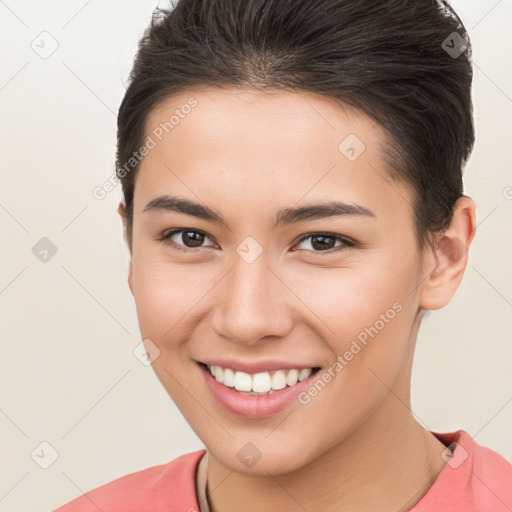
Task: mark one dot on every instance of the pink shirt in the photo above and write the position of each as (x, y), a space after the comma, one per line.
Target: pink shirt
(475, 479)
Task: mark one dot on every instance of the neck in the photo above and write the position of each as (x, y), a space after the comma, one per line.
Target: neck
(368, 471)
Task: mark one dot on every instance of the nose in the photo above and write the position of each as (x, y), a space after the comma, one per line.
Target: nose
(253, 303)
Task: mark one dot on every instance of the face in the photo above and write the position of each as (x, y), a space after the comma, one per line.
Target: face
(268, 236)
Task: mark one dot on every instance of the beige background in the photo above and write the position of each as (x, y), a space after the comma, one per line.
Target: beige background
(69, 326)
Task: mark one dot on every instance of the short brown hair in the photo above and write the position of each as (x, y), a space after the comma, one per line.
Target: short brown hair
(404, 63)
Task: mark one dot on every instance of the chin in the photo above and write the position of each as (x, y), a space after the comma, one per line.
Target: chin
(261, 458)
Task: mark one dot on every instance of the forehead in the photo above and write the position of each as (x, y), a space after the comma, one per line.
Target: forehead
(279, 119)
(266, 146)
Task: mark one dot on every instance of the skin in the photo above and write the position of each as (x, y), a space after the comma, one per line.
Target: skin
(247, 155)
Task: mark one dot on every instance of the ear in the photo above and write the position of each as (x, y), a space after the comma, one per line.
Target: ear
(121, 209)
(447, 260)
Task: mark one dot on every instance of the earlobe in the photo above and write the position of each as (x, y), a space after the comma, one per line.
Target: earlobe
(449, 257)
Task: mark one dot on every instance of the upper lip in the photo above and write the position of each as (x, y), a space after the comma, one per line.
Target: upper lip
(256, 366)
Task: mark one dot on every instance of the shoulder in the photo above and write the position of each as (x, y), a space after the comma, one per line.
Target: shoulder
(165, 487)
(491, 476)
(475, 478)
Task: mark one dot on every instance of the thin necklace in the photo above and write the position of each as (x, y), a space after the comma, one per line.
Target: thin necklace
(202, 484)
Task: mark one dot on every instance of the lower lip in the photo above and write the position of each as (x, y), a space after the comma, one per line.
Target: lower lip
(253, 406)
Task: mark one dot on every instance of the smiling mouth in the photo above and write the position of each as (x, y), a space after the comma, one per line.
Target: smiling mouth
(263, 383)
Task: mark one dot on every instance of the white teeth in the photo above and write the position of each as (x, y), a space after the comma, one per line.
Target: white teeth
(292, 377)
(229, 378)
(278, 380)
(304, 374)
(260, 383)
(243, 381)
(219, 374)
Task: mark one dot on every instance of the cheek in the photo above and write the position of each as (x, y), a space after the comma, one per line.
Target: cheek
(366, 316)
(347, 301)
(165, 294)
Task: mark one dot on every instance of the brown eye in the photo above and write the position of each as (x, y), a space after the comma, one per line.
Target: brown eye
(185, 238)
(323, 242)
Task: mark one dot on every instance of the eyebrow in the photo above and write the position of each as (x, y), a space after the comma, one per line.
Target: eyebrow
(285, 216)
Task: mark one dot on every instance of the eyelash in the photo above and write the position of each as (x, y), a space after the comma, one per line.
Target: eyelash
(346, 243)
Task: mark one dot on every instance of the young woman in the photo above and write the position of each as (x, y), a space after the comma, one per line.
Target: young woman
(293, 205)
